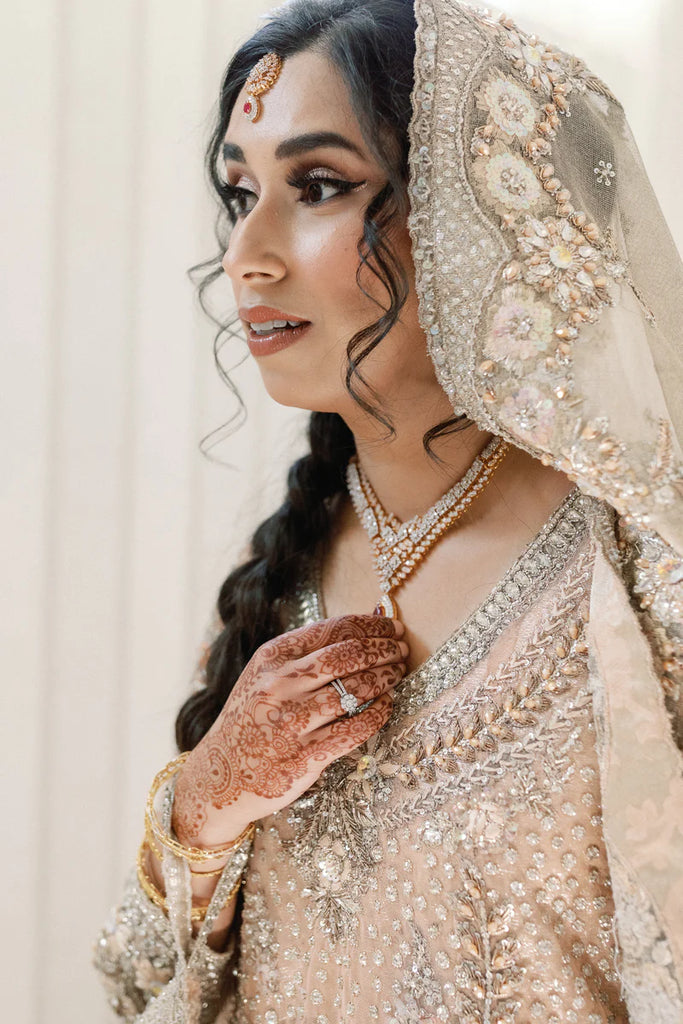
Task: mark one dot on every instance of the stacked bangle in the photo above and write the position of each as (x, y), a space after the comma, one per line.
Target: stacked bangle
(159, 854)
(158, 898)
(156, 834)
(194, 854)
(208, 874)
(155, 894)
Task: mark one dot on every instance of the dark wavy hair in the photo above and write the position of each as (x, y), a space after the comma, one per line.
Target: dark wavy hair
(372, 44)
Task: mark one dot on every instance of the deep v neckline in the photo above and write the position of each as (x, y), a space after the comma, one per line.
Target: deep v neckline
(531, 572)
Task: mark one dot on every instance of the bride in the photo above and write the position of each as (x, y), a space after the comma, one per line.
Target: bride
(431, 770)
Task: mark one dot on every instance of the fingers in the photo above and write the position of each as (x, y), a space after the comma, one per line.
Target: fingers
(325, 704)
(307, 639)
(345, 659)
(343, 735)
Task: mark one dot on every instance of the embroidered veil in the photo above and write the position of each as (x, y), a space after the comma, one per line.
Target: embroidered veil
(550, 290)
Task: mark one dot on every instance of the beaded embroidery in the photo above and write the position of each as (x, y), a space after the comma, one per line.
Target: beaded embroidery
(339, 820)
(604, 173)
(400, 872)
(483, 280)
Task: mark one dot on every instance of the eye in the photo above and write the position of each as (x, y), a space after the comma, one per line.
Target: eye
(314, 184)
(235, 199)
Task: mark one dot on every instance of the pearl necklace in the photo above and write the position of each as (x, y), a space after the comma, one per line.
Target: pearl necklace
(399, 548)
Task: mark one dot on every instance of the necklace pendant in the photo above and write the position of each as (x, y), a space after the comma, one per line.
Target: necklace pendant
(386, 606)
(398, 548)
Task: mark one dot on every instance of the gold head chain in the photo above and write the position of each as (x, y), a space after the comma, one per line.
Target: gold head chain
(262, 77)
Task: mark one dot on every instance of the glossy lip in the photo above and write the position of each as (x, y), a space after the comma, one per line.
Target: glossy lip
(259, 314)
(266, 344)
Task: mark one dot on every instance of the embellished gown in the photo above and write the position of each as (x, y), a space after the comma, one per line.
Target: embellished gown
(452, 868)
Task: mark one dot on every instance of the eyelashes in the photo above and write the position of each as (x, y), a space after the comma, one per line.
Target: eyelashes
(236, 199)
(233, 198)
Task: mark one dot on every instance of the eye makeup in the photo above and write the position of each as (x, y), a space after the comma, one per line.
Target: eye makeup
(236, 197)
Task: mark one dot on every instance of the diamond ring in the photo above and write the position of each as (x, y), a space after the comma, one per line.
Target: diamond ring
(348, 701)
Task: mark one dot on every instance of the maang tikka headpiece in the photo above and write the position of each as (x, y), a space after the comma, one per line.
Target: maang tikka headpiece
(262, 77)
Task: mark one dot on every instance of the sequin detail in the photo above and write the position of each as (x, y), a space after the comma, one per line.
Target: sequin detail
(452, 868)
(493, 169)
(604, 173)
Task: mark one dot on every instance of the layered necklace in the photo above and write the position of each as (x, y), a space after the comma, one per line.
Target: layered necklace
(399, 548)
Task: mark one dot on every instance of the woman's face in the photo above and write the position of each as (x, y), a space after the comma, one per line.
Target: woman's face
(294, 246)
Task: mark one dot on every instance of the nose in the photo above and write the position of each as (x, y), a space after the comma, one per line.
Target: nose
(255, 247)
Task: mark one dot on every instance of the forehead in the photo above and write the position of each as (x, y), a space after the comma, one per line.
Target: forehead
(309, 94)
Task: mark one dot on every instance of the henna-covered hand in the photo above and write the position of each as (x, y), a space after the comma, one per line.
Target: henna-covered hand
(283, 723)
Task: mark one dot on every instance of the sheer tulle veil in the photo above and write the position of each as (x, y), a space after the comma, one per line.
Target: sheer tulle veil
(550, 291)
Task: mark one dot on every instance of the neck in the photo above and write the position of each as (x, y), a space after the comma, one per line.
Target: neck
(406, 480)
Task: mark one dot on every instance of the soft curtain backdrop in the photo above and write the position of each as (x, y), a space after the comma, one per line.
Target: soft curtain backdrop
(117, 531)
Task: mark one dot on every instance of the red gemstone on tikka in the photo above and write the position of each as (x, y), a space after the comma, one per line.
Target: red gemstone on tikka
(247, 107)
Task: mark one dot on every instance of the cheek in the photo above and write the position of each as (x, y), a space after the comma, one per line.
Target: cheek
(328, 260)
(325, 257)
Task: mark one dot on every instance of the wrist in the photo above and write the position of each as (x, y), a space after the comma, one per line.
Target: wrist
(212, 834)
(196, 821)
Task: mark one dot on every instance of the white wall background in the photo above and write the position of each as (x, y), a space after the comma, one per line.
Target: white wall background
(116, 531)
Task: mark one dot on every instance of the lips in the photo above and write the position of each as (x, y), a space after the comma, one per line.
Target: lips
(261, 314)
(277, 338)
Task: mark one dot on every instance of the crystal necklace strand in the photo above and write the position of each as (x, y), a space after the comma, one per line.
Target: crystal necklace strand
(399, 548)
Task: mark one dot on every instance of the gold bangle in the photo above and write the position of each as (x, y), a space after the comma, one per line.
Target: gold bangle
(159, 854)
(209, 874)
(194, 854)
(152, 844)
(155, 894)
(146, 884)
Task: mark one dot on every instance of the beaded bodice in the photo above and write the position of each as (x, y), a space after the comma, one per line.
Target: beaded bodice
(453, 867)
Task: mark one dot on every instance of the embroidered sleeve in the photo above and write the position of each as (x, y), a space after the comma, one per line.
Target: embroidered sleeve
(137, 956)
(655, 577)
(134, 952)
(154, 971)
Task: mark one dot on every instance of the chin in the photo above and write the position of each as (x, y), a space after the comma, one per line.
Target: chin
(295, 393)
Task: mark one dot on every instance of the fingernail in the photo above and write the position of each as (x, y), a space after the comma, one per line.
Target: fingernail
(403, 647)
(399, 628)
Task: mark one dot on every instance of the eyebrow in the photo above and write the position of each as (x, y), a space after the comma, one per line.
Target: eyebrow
(297, 145)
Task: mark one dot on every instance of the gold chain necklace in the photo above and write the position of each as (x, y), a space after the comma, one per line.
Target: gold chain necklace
(399, 548)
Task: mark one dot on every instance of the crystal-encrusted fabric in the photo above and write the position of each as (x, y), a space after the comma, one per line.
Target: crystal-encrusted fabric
(153, 970)
(453, 868)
